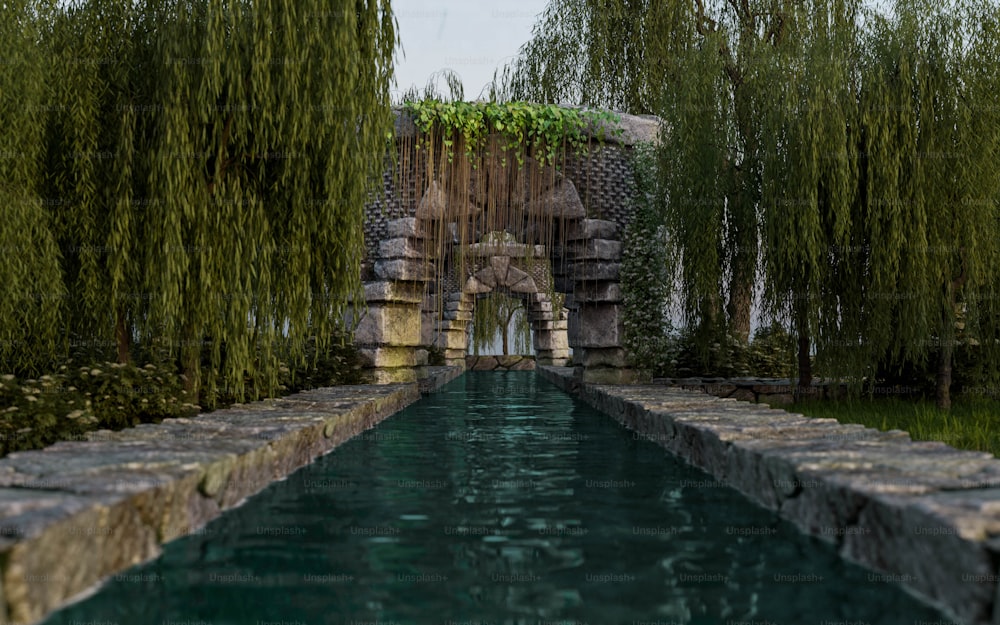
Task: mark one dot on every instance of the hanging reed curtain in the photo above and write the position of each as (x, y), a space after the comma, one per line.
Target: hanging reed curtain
(491, 173)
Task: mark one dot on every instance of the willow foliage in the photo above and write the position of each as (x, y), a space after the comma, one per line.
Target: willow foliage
(33, 293)
(500, 315)
(602, 53)
(842, 158)
(929, 186)
(210, 159)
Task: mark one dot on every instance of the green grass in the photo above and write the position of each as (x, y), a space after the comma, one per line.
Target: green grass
(971, 424)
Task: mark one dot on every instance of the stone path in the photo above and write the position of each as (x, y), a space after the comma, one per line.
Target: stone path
(923, 513)
(77, 512)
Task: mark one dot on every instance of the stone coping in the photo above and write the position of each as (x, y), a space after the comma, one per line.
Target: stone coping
(922, 513)
(77, 512)
(759, 390)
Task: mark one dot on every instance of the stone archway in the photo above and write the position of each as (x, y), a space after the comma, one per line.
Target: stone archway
(521, 270)
(401, 315)
(589, 202)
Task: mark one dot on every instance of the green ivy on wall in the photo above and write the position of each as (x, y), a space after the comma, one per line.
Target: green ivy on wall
(545, 127)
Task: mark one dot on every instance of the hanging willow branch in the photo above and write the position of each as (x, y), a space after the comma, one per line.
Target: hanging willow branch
(211, 161)
(487, 178)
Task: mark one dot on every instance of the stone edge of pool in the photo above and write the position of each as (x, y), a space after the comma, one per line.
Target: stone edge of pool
(920, 513)
(76, 513)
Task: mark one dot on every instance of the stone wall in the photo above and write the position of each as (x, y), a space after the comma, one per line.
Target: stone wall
(589, 204)
(922, 513)
(500, 363)
(78, 512)
(769, 391)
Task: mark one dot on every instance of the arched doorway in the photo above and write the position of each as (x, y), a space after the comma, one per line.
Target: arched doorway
(521, 270)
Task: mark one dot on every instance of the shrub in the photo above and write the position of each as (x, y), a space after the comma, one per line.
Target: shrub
(773, 353)
(79, 399)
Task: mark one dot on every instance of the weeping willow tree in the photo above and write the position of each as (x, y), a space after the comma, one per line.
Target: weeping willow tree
(809, 175)
(210, 159)
(699, 66)
(33, 295)
(495, 317)
(930, 185)
(881, 218)
(274, 118)
(851, 151)
(611, 54)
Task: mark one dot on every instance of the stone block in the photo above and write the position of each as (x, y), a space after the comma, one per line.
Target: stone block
(402, 269)
(453, 339)
(592, 229)
(398, 375)
(388, 357)
(561, 200)
(458, 315)
(428, 327)
(548, 340)
(455, 357)
(595, 249)
(445, 325)
(608, 375)
(592, 270)
(501, 265)
(486, 276)
(596, 326)
(459, 303)
(608, 357)
(525, 364)
(514, 250)
(423, 357)
(385, 291)
(409, 227)
(545, 359)
(389, 324)
(481, 363)
(476, 286)
(437, 205)
(400, 247)
(544, 323)
(610, 292)
(524, 285)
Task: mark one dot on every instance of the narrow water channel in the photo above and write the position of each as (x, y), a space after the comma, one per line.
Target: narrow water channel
(498, 500)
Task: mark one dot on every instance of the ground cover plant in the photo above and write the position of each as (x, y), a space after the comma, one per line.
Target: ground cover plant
(973, 423)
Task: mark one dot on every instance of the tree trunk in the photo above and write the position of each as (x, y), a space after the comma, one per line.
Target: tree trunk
(943, 390)
(805, 364)
(191, 363)
(122, 337)
(738, 308)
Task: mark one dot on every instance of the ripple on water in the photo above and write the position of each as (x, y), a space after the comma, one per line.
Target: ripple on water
(499, 500)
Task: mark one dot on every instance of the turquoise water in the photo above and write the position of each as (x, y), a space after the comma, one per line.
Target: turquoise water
(498, 500)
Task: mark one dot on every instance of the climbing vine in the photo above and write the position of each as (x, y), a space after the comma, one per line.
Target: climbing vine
(544, 126)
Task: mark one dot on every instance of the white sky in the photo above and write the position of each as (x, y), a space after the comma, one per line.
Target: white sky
(471, 37)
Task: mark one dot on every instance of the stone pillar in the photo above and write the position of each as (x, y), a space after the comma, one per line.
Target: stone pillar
(548, 331)
(453, 329)
(388, 332)
(596, 323)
